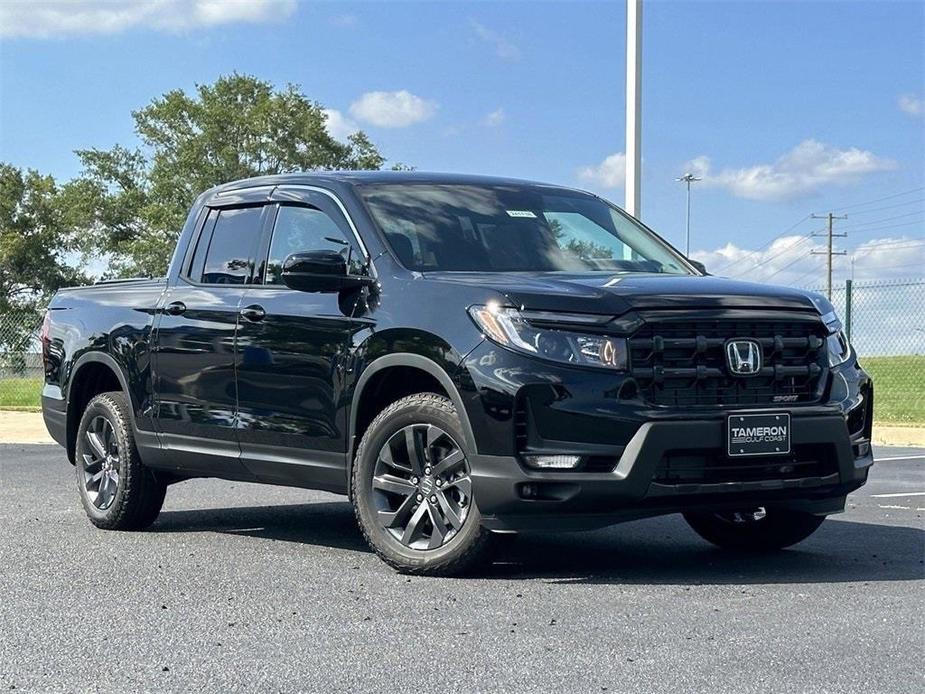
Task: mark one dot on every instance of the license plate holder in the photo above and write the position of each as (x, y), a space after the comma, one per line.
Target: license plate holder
(762, 434)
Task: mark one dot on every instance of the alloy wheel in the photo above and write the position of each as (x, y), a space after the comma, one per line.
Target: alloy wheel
(422, 489)
(101, 463)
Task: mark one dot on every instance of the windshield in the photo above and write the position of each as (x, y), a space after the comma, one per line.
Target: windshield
(513, 228)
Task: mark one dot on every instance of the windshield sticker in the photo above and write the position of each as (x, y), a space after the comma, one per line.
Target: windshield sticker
(525, 214)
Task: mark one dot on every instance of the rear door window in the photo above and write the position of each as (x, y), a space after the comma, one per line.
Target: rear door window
(230, 252)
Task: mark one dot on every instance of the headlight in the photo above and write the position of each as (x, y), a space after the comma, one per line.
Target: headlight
(507, 327)
(837, 347)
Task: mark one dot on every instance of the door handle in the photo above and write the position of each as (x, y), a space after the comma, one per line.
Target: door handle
(175, 308)
(254, 313)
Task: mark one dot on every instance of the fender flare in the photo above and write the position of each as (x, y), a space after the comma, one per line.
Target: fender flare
(101, 358)
(418, 362)
(73, 422)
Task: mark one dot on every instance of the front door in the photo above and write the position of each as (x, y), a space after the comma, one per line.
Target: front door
(195, 386)
(294, 354)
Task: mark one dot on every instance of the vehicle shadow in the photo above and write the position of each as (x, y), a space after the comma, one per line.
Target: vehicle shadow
(653, 551)
(325, 524)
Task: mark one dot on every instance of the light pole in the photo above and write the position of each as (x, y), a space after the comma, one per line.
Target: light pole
(688, 178)
(632, 203)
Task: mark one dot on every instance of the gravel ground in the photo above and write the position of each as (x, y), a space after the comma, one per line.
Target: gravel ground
(242, 587)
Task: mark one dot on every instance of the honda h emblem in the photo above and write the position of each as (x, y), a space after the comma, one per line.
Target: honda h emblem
(743, 357)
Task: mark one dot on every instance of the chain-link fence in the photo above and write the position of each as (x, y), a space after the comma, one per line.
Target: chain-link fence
(20, 360)
(886, 322)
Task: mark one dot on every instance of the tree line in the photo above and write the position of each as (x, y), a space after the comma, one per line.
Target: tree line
(128, 204)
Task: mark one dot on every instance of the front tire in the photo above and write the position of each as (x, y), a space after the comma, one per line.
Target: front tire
(755, 529)
(412, 490)
(116, 490)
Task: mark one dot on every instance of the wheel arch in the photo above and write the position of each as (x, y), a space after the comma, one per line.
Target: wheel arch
(94, 373)
(394, 365)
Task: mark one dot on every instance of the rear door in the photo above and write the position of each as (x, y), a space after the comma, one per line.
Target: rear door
(195, 381)
(295, 351)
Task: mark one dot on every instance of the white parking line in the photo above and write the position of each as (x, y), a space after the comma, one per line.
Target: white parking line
(888, 496)
(899, 457)
(896, 508)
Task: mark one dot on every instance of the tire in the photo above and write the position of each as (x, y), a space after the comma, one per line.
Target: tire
(116, 490)
(748, 531)
(447, 537)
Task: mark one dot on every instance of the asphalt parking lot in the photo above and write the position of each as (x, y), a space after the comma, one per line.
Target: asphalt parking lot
(240, 587)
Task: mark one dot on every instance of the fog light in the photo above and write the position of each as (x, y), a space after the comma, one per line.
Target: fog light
(555, 462)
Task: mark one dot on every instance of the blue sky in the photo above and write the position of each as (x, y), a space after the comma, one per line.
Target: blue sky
(784, 108)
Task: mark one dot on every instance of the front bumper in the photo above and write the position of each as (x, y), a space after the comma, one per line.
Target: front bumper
(520, 406)
(512, 497)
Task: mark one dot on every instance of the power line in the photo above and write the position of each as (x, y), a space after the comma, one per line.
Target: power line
(756, 252)
(906, 243)
(802, 277)
(871, 202)
(890, 207)
(900, 242)
(883, 219)
(752, 254)
(829, 252)
(887, 227)
(784, 250)
(919, 264)
(788, 265)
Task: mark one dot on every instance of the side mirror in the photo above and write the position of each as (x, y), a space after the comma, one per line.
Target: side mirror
(700, 266)
(319, 271)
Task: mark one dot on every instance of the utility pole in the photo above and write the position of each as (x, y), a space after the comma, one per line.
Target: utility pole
(633, 105)
(688, 178)
(830, 252)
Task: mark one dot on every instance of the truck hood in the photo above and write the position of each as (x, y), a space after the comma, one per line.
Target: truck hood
(616, 294)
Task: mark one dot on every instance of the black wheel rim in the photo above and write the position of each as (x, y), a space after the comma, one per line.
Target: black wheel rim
(422, 490)
(101, 463)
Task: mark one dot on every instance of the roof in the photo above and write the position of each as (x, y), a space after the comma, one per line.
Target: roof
(374, 177)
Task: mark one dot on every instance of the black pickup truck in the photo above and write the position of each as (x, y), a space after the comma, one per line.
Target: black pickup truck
(463, 356)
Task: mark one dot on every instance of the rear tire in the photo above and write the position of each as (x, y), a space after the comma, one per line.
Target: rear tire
(412, 493)
(749, 531)
(117, 491)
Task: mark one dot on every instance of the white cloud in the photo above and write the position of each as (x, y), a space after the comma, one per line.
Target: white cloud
(495, 118)
(800, 172)
(911, 104)
(785, 260)
(502, 45)
(338, 125)
(392, 109)
(48, 18)
(880, 315)
(789, 260)
(610, 173)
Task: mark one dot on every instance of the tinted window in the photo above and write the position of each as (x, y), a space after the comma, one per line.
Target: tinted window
(194, 271)
(514, 228)
(300, 229)
(231, 248)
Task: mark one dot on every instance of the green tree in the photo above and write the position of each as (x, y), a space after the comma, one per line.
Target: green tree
(35, 239)
(131, 204)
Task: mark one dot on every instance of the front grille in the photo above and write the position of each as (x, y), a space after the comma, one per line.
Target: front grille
(683, 362)
(699, 467)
